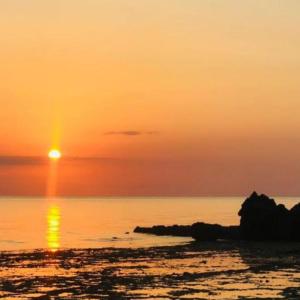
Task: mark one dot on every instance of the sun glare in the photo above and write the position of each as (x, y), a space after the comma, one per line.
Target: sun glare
(54, 154)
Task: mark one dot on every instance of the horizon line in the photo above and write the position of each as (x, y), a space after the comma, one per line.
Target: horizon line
(137, 196)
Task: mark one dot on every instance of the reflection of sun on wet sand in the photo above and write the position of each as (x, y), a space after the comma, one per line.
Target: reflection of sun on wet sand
(53, 221)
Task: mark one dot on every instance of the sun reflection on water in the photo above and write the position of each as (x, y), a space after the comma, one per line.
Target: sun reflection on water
(53, 232)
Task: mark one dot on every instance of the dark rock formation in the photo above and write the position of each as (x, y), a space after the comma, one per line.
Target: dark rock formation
(174, 230)
(206, 232)
(210, 232)
(199, 231)
(295, 222)
(261, 219)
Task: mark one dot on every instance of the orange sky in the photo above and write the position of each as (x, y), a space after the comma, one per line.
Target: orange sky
(179, 97)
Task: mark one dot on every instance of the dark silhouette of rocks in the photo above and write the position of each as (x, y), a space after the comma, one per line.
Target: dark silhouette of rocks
(199, 231)
(211, 232)
(175, 230)
(206, 232)
(261, 220)
(295, 222)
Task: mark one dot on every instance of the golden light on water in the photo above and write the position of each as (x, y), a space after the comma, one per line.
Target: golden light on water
(53, 233)
(54, 154)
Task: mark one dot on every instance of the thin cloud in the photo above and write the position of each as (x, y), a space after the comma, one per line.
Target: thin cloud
(11, 161)
(21, 160)
(130, 132)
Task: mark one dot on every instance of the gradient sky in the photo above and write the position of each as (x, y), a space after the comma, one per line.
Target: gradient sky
(157, 97)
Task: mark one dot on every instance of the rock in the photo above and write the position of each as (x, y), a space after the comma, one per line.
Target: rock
(206, 232)
(199, 231)
(295, 222)
(174, 230)
(262, 219)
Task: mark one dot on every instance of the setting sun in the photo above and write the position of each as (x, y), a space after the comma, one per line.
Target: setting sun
(54, 154)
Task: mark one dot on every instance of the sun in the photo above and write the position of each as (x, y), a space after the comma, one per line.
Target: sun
(54, 154)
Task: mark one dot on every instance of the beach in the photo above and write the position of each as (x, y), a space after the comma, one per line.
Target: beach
(208, 270)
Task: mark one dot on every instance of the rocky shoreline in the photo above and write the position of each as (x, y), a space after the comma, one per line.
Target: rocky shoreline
(261, 220)
(199, 231)
(234, 267)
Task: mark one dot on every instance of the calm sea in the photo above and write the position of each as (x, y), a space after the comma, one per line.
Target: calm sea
(28, 223)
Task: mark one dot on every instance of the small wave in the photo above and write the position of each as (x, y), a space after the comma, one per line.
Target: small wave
(111, 239)
(11, 242)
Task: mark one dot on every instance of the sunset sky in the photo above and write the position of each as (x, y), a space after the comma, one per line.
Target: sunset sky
(150, 97)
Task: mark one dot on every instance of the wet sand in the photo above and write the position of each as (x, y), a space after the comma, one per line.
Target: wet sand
(211, 270)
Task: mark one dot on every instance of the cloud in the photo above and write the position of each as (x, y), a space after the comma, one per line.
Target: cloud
(21, 160)
(130, 132)
(12, 161)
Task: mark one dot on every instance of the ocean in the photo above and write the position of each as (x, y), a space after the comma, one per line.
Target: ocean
(60, 223)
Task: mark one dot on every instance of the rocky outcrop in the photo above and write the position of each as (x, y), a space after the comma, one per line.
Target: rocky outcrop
(261, 220)
(175, 230)
(295, 222)
(209, 232)
(199, 231)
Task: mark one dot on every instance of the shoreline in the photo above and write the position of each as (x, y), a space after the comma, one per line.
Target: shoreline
(203, 270)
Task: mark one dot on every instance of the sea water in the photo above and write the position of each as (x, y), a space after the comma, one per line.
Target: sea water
(56, 223)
